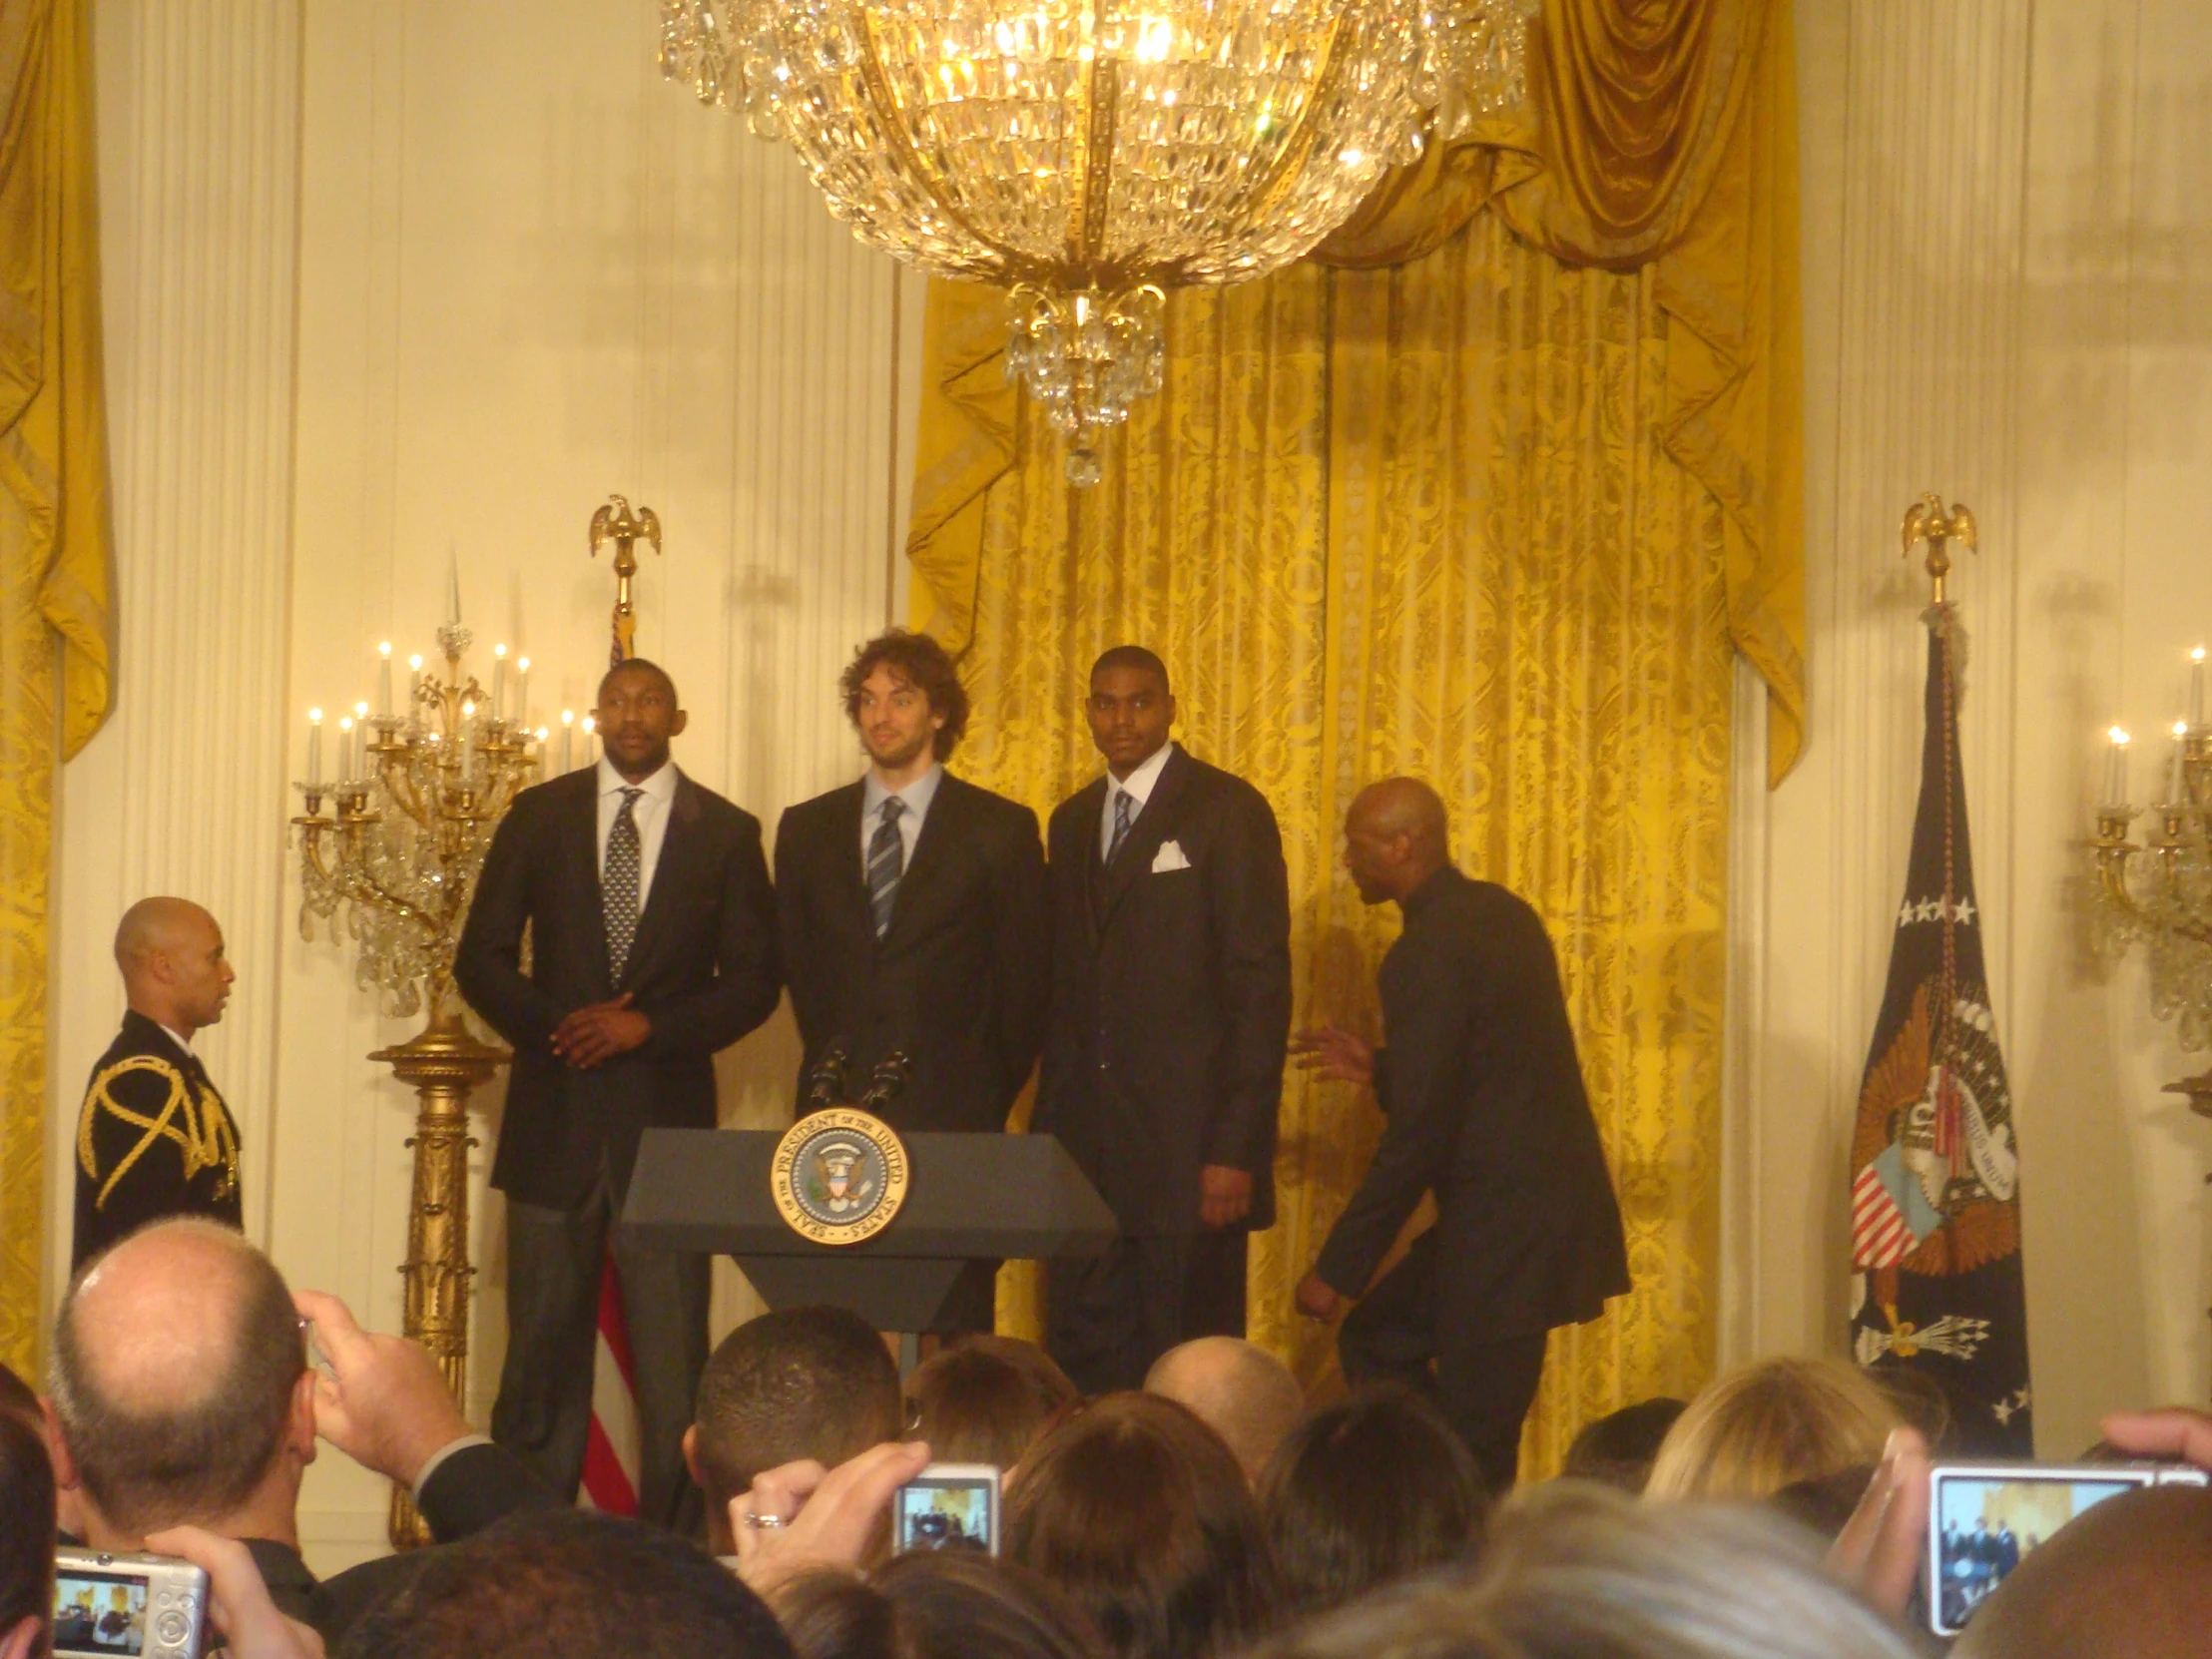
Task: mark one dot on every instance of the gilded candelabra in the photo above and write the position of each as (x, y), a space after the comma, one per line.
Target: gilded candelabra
(412, 810)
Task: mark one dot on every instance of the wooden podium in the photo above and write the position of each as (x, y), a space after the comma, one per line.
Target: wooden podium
(969, 1197)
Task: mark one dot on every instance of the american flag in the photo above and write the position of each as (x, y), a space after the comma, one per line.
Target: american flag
(611, 1452)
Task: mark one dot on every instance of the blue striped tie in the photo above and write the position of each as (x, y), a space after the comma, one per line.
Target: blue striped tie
(887, 858)
(1122, 799)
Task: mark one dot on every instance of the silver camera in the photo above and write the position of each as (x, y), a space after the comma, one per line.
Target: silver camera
(128, 1606)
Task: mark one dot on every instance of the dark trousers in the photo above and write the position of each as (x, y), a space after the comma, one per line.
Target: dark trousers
(1484, 1385)
(543, 1414)
(1108, 1318)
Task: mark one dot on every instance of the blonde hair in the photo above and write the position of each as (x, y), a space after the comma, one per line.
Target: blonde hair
(1577, 1571)
(1771, 1424)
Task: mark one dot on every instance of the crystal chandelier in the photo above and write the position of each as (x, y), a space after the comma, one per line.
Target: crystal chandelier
(2157, 892)
(1089, 155)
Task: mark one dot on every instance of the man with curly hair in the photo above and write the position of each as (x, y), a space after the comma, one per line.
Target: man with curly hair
(912, 914)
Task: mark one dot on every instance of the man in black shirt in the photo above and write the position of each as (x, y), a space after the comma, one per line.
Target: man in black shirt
(1487, 1109)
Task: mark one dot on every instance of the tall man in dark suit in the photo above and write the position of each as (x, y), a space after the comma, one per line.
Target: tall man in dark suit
(913, 909)
(1486, 1110)
(652, 947)
(1171, 1003)
(153, 1137)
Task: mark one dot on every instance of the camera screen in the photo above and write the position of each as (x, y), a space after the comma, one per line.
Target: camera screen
(100, 1612)
(1985, 1527)
(951, 1514)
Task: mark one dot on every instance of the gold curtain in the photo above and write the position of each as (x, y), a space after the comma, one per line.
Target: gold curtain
(54, 565)
(1488, 492)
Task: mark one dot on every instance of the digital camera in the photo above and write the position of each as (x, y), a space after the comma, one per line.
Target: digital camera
(948, 1507)
(1986, 1519)
(128, 1606)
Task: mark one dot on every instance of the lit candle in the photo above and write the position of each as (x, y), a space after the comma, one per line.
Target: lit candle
(2178, 789)
(2115, 770)
(498, 681)
(414, 685)
(468, 746)
(522, 689)
(590, 743)
(538, 765)
(315, 748)
(383, 679)
(568, 741)
(345, 749)
(2197, 687)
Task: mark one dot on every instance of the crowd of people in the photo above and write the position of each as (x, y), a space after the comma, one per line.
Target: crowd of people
(1783, 1511)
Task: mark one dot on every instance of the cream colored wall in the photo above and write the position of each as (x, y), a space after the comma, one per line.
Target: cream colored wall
(2006, 228)
(388, 284)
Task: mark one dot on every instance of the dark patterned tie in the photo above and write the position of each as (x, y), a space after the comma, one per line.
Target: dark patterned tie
(618, 887)
(1122, 797)
(886, 859)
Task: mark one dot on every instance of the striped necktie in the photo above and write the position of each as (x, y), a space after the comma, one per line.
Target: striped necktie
(886, 860)
(1122, 799)
(618, 886)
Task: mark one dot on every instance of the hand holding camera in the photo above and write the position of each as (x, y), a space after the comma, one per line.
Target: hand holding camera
(801, 1516)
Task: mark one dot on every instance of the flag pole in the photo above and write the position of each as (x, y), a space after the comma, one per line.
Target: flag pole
(1925, 521)
(615, 523)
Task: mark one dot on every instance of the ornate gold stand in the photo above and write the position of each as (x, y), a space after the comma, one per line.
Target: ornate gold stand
(444, 1066)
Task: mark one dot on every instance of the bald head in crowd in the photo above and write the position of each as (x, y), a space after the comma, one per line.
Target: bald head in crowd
(171, 955)
(1240, 1390)
(1396, 837)
(181, 1390)
(2131, 1576)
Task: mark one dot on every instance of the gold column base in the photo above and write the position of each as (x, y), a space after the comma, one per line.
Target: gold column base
(443, 1065)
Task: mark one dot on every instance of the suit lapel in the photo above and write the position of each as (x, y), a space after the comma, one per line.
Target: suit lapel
(1090, 801)
(1145, 835)
(672, 877)
(845, 864)
(579, 821)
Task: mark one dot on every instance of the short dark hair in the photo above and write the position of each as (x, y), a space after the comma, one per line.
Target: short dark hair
(934, 1605)
(1136, 656)
(1617, 1449)
(797, 1383)
(1140, 1514)
(924, 663)
(27, 1536)
(637, 665)
(986, 1400)
(17, 1399)
(201, 1453)
(1366, 1493)
(568, 1584)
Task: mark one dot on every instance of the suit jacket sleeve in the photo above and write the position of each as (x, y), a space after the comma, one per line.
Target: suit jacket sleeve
(487, 964)
(1251, 898)
(747, 977)
(1426, 1006)
(1021, 953)
(477, 1485)
(795, 929)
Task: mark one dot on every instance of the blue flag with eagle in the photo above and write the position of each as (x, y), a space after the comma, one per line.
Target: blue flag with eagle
(1935, 1198)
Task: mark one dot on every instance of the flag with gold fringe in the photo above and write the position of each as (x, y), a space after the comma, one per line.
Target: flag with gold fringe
(1937, 1288)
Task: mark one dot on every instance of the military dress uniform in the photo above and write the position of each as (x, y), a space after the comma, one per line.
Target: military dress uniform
(154, 1139)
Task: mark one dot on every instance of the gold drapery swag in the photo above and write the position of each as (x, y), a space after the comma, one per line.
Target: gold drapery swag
(1487, 491)
(54, 631)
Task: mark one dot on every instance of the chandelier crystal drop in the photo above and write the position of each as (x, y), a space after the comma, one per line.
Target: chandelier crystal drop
(1090, 155)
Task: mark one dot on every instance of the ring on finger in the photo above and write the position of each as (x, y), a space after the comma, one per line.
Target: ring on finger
(764, 1523)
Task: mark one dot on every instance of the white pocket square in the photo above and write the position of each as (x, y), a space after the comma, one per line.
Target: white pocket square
(1170, 856)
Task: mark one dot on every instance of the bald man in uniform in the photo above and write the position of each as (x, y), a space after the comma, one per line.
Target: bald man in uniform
(1483, 1094)
(154, 1138)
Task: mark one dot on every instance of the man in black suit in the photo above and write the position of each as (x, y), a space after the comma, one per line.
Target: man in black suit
(1486, 1110)
(153, 1137)
(912, 910)
(652, 947)
(1171, 1002)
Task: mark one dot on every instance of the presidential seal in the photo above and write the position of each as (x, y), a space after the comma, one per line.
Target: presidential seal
(839, 1176)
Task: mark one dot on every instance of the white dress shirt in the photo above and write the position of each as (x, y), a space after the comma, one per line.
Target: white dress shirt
(178, 1037)
(650, 815)
(917, 796)
(1138, 786)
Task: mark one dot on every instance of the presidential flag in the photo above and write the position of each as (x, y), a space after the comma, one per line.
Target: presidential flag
(1934, 1195)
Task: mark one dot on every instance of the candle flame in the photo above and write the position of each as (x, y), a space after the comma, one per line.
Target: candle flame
(384, 648)
(361, 711)
(468, 711)
(2181, 727)
(523, 663)
(415, 663)
(568, 716)
(346, 724)
(590, 725)
(2118, 737)
(498, 651)
(314, 716)
(541, 734)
